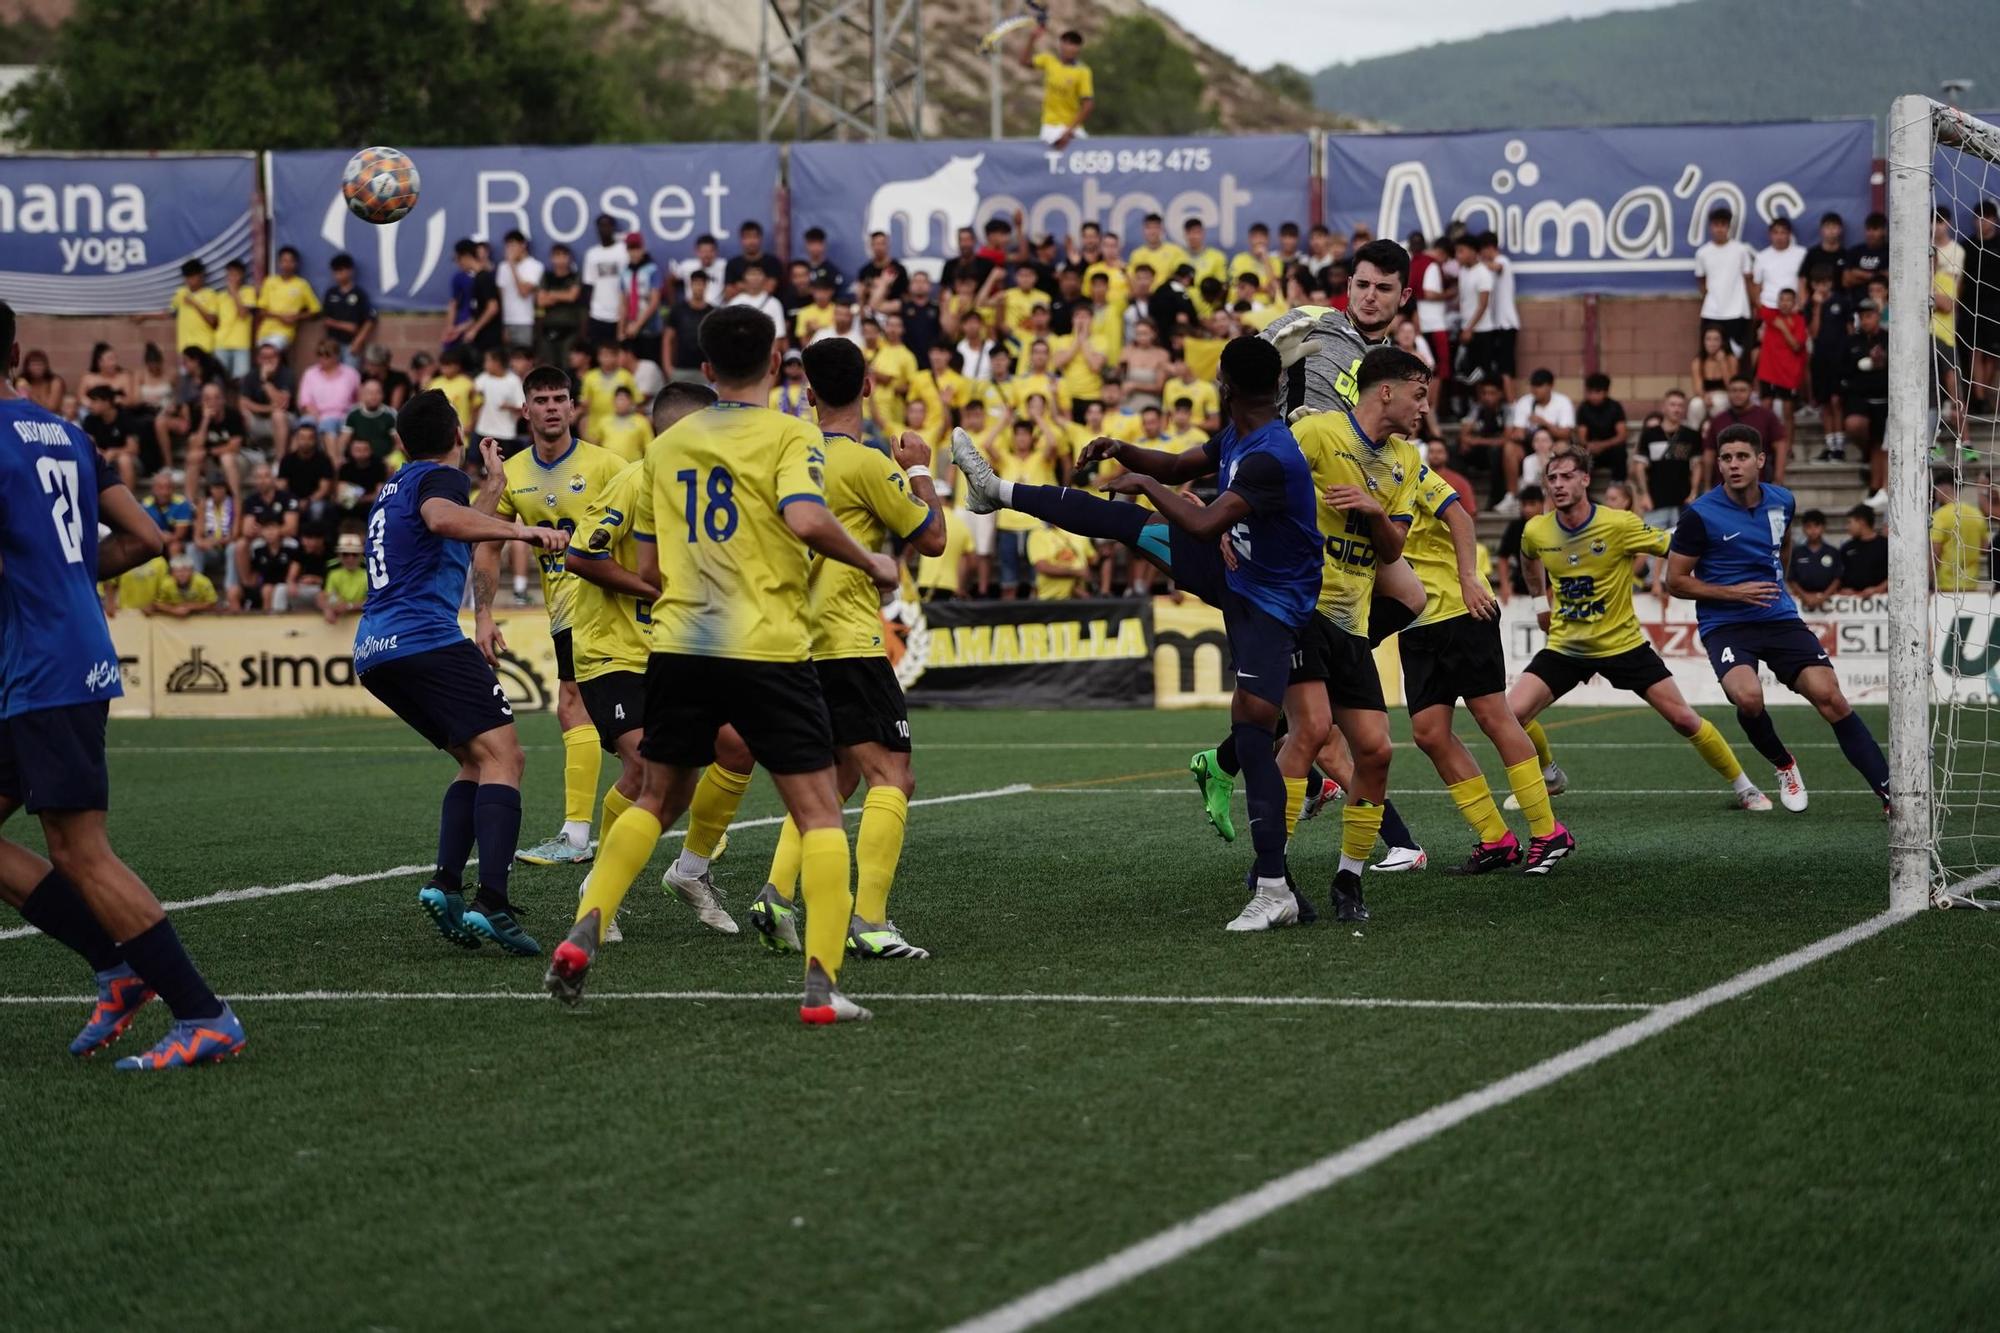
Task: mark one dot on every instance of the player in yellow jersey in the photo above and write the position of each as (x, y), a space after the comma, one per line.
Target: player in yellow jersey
(552, 484)
(1585, 552)
(873, 499)
(1067, 91)
(735, 496)
(1157, 252)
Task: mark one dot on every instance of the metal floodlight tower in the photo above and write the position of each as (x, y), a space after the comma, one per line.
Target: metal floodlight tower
(841, 69)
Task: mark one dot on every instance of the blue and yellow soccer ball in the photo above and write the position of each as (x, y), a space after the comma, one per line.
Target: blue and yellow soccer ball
(380, 185)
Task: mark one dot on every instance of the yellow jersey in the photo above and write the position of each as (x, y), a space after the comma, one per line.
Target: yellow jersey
(190, 329)
(625, 436)
(733, 574)
(458, 390)
(1053, 546)
(1959, 532)
(1267, 270)
(1164, 259)
(1117, 286)
(609, 631)
(894, 370)
(1015, 307)
(1432, 555)
(951, 389)
(871, 497)
(200, 591)
(234, 317)
(1034, 468)
(1078, 379)
(1207, 403)
(1342, 455)
(1064, 89)
(1590, 578)
(939, 573)
(556, 495)
(1023, 387)
(1203, 357)
(1183, 440)
(139, 586)
(597, 394)
(284, 296)
(1209, 263)
(810, 319)
(1124, 426)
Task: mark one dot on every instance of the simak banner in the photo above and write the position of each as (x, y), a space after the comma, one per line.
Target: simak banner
(922, 193)
(1601, 210)
(669, 193)
(108, 235)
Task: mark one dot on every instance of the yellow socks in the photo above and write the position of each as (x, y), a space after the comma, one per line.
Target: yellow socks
(1475, 801)
(877, 847)
(1715, 751)
(1533, 794)
(823, 872)
(1360, 826)
(616, 803)
(1541, 740)
(621, 855)
(581, 757)
(1295, 803)
(784, 876)
(716, 798)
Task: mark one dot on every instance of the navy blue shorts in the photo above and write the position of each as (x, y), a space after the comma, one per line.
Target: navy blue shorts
(1260, 644)
(448, 695)
(53, 759)
(1786, 646)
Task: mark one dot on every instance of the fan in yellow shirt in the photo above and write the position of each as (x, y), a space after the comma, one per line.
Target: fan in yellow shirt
(1259, 262)
(235, 316)
(1960, 540)
(892, 368)
(1067, 90)
(736, 497)
(1208, 261)
(599, 391)
(286, 300)
(1200, 394)
(1021, 301)
(624, 434)
(1062, 563)
(942, 576)
(1157, 252)
(455, 384)
(1183, 431)
(194, 308)
(1577, 556)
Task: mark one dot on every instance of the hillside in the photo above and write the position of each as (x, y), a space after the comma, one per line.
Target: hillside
(1707, 60)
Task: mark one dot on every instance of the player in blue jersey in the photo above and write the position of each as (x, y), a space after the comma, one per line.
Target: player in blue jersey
(1729, 556)
(412, 655)
(1267, 507)
(58, 675)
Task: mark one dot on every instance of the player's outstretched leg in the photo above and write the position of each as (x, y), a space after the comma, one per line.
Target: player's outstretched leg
(1066, 507)
(443, 898)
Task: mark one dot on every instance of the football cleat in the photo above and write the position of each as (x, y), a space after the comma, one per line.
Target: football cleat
(1490, 856)
(557, 851)
(496, 922)
(1792, 787)
(775, 920)
(1753, 799)
(121, 994)
(880, 939)
(981, 495)
(1329, 792)
(570, 964)
(699, 892)
(1216, 787)
(612, 935)
(447, 909)
(1268, 909)
(191, 1041)
(1400, 859)
(1347, 903)
(1307, 912)
(1543, 853)
(1556, 780)
(824, 1005)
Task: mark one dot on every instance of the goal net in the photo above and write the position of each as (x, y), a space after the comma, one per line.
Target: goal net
(1943, 438)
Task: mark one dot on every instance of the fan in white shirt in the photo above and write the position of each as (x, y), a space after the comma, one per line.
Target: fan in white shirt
(1777, 266)
(501, 403)
(754, 296)
(1721, 265)
(604, 267)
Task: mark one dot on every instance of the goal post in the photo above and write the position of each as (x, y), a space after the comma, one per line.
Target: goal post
(1944, 695)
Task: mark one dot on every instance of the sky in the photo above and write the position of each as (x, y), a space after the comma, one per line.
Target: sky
(1312, 34)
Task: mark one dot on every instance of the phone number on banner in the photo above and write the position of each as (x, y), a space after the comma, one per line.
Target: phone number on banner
(1106, 162)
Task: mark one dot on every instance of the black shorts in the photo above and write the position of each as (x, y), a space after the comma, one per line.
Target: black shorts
(565, 655)
(448, 695)
(1740, 334)
(1501, 350)
(1449, 660)
(510, 447)
(1786, 646)
(864, 702)
(53, 759)
(777, 707)
(1344, 661)
(647, 347)
(1770, 392)
(1635, 669)
(616, 702)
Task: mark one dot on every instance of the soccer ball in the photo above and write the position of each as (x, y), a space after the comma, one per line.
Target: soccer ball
(380, 185)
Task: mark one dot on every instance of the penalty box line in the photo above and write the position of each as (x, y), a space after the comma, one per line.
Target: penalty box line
(1184, 1238)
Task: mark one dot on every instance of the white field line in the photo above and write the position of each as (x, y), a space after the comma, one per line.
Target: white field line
(326, 882)
(1183, 1238)
(1187, 746)
(708, 996)
(1412, 792)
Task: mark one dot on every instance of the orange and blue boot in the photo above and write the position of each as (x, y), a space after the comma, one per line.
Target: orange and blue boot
(192, 1041)
(121, 994)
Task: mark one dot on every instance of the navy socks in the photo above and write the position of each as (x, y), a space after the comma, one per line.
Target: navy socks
(496, 818)
(455, 834)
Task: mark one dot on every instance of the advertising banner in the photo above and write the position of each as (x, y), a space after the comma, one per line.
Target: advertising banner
(1081, 654)
(108, 235)
(922, 193)
(669, 193)
(1615, 209)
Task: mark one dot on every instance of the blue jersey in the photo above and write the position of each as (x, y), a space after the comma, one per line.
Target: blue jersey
(1278, 559)
(415, 577)
(1733, 545)
(55, 649)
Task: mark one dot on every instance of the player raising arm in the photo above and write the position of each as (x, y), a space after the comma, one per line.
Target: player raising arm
(411, 654)
(1585, 551)
(1067, 91)
(1729, 555)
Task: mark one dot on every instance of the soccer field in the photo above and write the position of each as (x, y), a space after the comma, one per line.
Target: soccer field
(418, 1139)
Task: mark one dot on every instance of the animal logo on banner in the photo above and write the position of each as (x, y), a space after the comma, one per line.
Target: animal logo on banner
(950, 195)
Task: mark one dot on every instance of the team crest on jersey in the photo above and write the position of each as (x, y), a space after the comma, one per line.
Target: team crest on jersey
(1597, 546)
(1575, 558)
(578, 484)
(550, 499)
(1396, 471)
(1778, 526)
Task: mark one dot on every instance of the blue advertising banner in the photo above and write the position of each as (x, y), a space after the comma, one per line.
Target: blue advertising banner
(671, 193)
(922, 193)
(108, 235)
(1600, 210)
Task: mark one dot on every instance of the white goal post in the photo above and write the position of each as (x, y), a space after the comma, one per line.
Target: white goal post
(1944, 833)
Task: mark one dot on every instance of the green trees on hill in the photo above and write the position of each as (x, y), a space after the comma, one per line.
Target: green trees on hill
(1146, 82)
